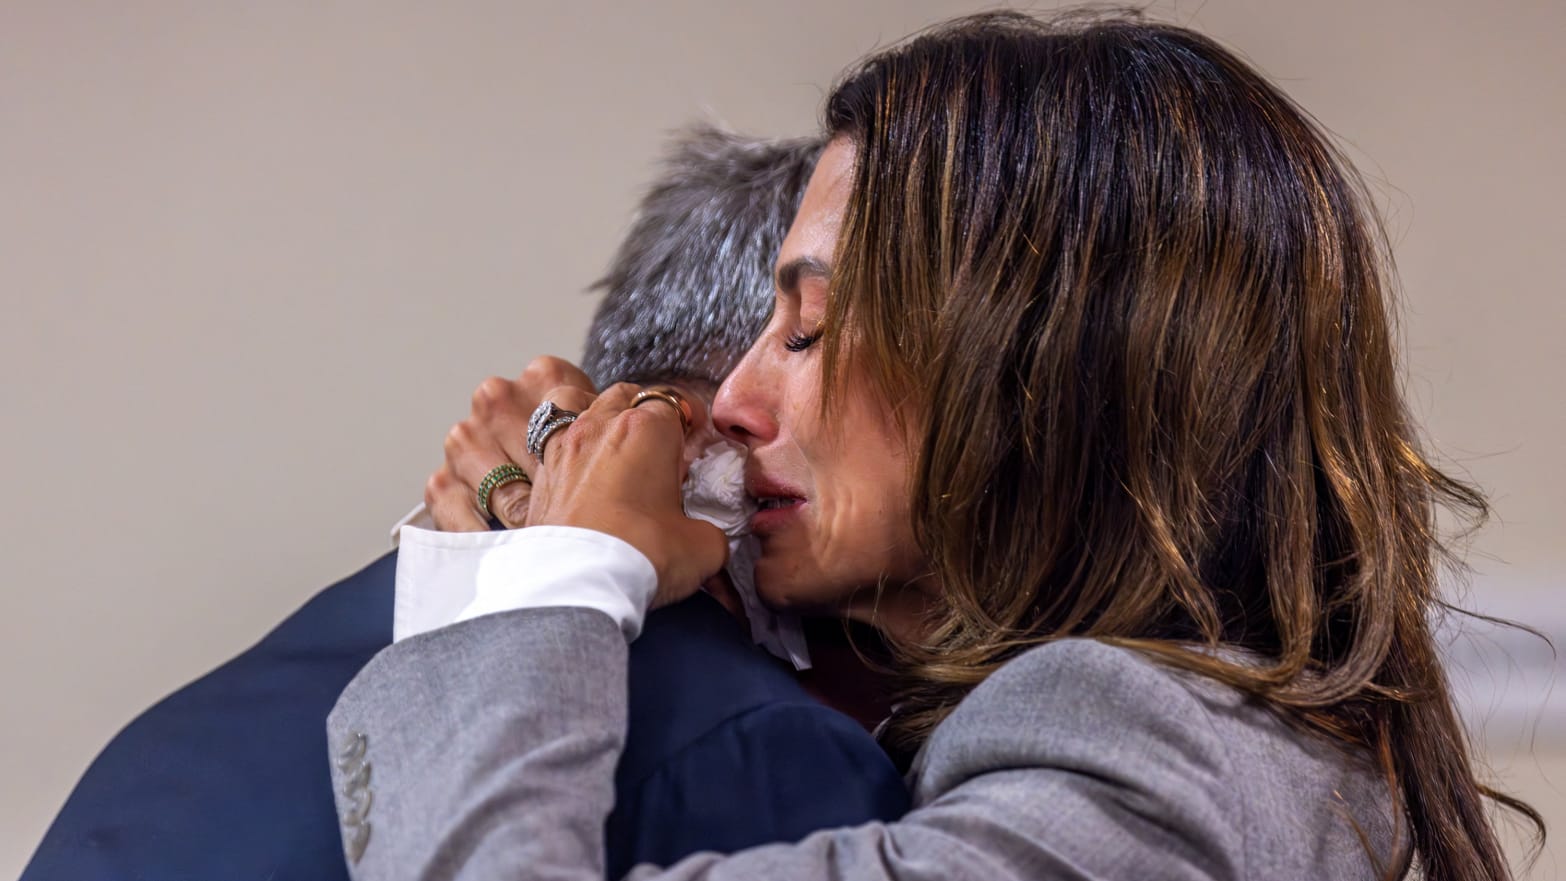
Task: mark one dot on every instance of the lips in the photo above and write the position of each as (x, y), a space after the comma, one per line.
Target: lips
(776, 503)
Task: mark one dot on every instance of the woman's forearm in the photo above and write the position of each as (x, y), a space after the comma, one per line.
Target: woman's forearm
(473, 750)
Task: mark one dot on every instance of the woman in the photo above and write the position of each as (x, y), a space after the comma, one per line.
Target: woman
(1079, 387)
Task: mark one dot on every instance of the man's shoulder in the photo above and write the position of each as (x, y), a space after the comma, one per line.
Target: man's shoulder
(229, 770)
(693, 669)
(726, 750)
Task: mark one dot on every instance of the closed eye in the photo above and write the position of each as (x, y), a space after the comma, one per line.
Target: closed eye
(801, 342)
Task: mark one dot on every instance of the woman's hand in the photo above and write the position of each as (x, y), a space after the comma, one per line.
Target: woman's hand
(618, 470)
(495, 433)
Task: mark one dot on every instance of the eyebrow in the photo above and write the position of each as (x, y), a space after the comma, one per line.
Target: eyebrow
(790, 273)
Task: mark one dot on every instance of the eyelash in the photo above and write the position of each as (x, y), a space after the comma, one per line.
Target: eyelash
(801, 342)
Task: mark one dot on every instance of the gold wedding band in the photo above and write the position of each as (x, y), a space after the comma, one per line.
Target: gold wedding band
(670, 397)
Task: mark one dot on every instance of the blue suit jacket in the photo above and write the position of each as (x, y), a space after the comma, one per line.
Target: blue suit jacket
(227, 778)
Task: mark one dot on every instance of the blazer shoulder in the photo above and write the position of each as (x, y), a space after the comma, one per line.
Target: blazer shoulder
(1081, 688)
(1081, 665)
(1172, 744)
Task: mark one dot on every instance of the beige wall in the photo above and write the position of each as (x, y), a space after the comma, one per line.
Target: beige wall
(254, 257)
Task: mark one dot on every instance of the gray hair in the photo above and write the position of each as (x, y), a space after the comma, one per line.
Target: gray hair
(691, 286)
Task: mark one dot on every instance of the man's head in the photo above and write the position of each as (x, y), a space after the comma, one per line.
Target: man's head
(691, 285)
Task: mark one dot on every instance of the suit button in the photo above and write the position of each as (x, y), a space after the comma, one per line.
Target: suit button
(360, 813)
(351, 751)
(357, 839)
(357, 780)
(355, 767)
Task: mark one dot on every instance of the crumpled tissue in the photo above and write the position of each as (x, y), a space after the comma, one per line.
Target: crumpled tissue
(714, 491)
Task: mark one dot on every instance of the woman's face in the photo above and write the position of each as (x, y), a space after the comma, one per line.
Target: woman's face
(834, 493)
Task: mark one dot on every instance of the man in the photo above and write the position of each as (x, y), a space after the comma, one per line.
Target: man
(225, 778)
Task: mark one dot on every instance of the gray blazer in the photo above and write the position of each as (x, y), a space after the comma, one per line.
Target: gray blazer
(486, 751)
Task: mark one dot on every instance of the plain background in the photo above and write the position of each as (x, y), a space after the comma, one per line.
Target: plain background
(255, 257)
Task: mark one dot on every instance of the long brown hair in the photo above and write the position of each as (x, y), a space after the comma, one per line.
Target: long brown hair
(1138, 310)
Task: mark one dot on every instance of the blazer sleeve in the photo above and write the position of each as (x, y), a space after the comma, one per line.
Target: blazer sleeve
(485, 752)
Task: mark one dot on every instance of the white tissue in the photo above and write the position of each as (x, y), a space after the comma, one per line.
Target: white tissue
(715, 492)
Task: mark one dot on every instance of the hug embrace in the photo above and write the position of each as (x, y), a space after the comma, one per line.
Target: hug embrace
(1069, 454)
(1079, 389)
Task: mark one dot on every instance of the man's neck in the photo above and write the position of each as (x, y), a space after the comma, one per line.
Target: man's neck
(841, 676)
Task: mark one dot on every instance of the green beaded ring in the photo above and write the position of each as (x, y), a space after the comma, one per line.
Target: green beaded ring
(498, 477)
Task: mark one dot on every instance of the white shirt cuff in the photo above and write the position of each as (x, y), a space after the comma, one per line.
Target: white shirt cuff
(446, 577)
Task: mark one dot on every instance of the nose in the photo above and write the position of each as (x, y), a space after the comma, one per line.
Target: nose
(745, 407)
